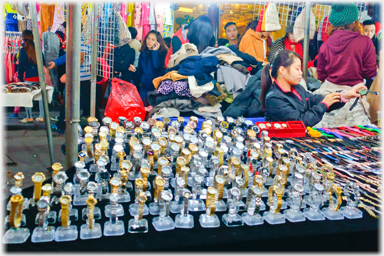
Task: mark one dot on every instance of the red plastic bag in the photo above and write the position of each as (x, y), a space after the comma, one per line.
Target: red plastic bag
(124, 100)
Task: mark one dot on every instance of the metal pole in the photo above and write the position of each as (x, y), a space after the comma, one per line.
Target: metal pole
(306, 39)
(39, 59)
(72, 93)
(93, 59)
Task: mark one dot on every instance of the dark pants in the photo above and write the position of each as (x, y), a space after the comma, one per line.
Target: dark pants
(85, 93)
(85, 99)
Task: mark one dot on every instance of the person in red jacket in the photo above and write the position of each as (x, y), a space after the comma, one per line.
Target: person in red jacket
(346, 59)
(178, 39)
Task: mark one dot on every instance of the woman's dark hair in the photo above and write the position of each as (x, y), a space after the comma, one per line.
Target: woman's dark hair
(200, 32)
(163, 48)
(251, 25)
(167, 41)
(283, 58)
(29, 45)
(133, 32)
(222, 41)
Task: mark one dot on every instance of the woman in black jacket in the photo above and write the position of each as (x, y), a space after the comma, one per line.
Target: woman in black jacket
(283, 99)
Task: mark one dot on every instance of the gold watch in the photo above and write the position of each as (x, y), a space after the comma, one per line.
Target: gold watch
(180, 161)
(16, 211)
(145, 173)
(159, 182)
(141, 198)
(219, 185)
(65, 202)
(245, 170)
(115, 184)
(91, 202)
(56, 167)
(211, 200)
(334, 206)
(47, 188)
(38, 178)
(236, 164)
(279, 193)
(88, 143)
(19, 177)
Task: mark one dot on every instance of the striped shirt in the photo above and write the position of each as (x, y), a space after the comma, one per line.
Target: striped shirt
(85, 72)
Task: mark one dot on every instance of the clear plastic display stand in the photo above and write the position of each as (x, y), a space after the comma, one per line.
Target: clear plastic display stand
(332, 212)
(164, 222)
(154, 207)
(252, 217)
(184, 220)
(16, 236)
(43, 233)
(273, 216)
(96, 213)
(176, 205)
(314, 200)
(138, 224)
(232, 218)
(90, 230)
(294, 214)
(196, 204)
(66, 232)
(350, 211)
(114, 227)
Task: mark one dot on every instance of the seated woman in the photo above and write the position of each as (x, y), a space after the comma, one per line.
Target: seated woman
(283, 99)
(286, 43)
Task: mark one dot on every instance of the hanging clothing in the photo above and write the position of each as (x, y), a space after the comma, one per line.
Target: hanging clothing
(47, 12)
(152, 18)
(58, 18)
(145, 8)
(137, 21)
(123, 11)
(130, 14)
(51, 50)
(179, 36)
(159, 16)
(168, 21)
(11, 22)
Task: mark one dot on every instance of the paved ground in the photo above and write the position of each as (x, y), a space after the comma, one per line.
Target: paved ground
(27, 145)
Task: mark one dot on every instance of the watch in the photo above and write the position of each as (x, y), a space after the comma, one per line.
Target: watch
(19, 177)
(245, 170)
(334, 205)
(88, 143)
(236, 164)
(47, 188)
(16, 211)
(275, 207)
(91, 202)
(115, 184)
(56, 167)
(141, 198)
(159, 182)
(211, 201)
(43, 207)
(38, 178)
(145, 173)
(82, 155)
(219, 185)
(65, 202)
(59, 179)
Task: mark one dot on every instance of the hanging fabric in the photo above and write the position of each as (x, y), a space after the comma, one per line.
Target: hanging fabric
(58, 18)
(152, 18)
(47, 12)
(123, 11)
(159, 16)
(10, 15)
(145, 8)
(168, 21)
(137, 21)
(130, 14)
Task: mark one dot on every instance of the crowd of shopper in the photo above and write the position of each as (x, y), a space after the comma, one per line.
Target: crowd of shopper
(194, 72)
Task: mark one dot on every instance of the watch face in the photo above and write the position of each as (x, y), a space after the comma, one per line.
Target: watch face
(175, 147)
(203, 153)
(83, 175)
(105, 175)
(101, 163)
(38, 178)
(115, 182)
(65, 200)
(212, 190)
(220, 179)
(16, 190)
(114, 197)
(107, 120)
(235, 192)
(163, 142)
(180, 182)
(82, 154)
(198, 178)
(257, 191)
(160, 182)
(114, 126)
(166, 170)
(155, 146)
(146, 141)
(193, 139)
(68, 188)
(145, 126)
(178, 139)
(79, 165)
(60, 177)
(209, 144)
(137, 147)
(319, 187)
(299, 188)
(104, 130)
(19, 176)
(42, 204)
(166, 196)
(94, 124)
(137, 155)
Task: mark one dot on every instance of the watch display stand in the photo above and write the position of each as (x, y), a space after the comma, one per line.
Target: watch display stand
(184, 220)
(79, 199)
(220, 206)
(271, 218)
(331, 214)
(232, 218)
(351, 212)
(196, 205)
(163, 223)
(154, 208)
(16, 236)
(138, 226)
(96, 213)
(207, 221)
(43, 234)
(294, 215)
(133, 209)
(119, 210)
(22, 223)
(284, 204)
(51, 217)
(63, 234)
(124, 196)
(313, 213)
(87, 233)
(114, 229)
(73, 215)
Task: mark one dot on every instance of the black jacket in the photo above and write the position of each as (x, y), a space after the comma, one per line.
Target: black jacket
(124, 56)
(286, 106)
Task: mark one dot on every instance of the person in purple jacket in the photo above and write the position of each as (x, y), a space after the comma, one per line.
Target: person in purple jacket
(346, 59)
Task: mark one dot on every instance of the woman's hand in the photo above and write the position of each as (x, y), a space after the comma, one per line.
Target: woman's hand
(156, 46)
(354, 92)
(63, 79)
(332, 98)
(132, 68)
(51, 65)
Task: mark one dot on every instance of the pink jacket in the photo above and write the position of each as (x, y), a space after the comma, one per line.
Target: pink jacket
(137, 21)
(159, 16)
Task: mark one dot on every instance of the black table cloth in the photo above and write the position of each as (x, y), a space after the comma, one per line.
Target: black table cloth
(341, 235)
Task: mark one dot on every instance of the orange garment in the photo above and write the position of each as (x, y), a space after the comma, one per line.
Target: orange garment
(254, 45)
(47, 12)
(170, 75)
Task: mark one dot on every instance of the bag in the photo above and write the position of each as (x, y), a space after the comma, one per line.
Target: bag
(47, 76)
(124, 100)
